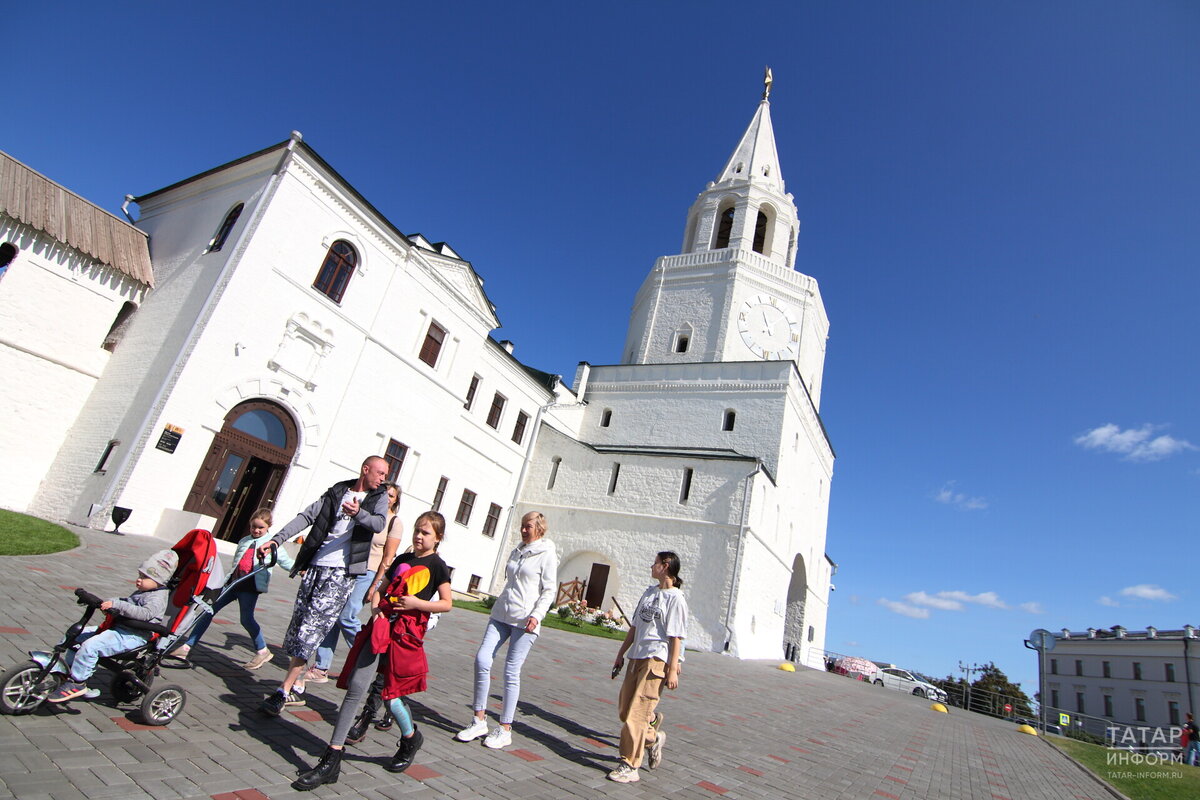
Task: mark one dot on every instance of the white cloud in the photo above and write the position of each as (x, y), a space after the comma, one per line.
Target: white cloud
(904, 608)
(1134, 444)
(1148, 591)
(950, 497)
(1108, 601)
(989, 599)
(1032, 608)
(933, 601)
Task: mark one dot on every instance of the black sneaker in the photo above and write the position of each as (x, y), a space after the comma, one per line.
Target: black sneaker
(406, 752)
(273, 705)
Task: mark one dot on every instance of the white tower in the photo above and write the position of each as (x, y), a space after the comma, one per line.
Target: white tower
(732, 294)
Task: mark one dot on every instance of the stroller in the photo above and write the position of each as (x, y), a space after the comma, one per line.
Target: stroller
(195, 587)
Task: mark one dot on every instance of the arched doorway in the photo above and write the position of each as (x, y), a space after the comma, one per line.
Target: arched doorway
(244, 467)
(793, 620)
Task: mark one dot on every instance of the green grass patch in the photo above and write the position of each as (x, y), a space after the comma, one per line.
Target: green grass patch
(22, 535)
(552, 621)
(1154, 781)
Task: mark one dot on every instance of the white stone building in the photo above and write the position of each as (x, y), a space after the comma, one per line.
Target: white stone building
(1122, 677)
(707, 439)
(292, 330)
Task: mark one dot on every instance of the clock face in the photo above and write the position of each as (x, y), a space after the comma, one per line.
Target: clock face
(769, 328)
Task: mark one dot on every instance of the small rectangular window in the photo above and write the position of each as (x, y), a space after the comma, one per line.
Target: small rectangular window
(1139, 709)
(519, 428)
(439, 494)
(463, 517)
(1169, 669)
(1137, 670)
(496, 411)
(492, 521)
(1054, 698)
(1106, 668)
(685, 491)
(102, 464)
(473, 586)
(1078, 666)
(1108, 705)
(1173, 712)
(1079, 704)
(395, 459)
(433, 344)
(554, 462)
(612, 481)
(606, 418)
(1054, 666)
(471, 392)
(729, 421)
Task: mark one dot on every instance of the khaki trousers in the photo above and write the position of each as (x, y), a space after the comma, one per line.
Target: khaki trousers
(640, 693)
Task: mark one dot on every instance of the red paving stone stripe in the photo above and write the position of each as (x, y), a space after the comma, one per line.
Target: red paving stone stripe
(715, 722)
(421, 772)
(126, 724)
(882, 793)
(778, 758)
(562, 703)
(20, 631)
(596, 742)
(308, 716)
(901, 766)
(993, 774)
(683, 727)
(751, 770)
(799, 749)
(1000, 797)
(606, 700)
(816, 741)
(712, 787)
(69, 588)
(894, 778)
(36, 569)
(241, 794)
(526, 755)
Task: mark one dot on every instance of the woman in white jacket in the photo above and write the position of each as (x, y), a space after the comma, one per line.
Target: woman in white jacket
(530, 584)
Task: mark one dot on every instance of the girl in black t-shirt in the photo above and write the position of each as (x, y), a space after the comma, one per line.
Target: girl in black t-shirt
(416, 585)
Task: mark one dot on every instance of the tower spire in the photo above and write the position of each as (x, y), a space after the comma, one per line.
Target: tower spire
(755, 159)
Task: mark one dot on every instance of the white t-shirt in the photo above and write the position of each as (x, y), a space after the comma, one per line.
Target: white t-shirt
(661, 615)
(337, 541)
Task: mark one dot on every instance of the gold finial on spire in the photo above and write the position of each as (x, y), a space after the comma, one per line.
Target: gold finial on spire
(767, 80)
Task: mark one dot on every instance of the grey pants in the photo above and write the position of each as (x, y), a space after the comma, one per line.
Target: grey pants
(356, 693)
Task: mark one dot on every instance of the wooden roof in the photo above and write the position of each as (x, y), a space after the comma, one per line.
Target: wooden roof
(37, 201)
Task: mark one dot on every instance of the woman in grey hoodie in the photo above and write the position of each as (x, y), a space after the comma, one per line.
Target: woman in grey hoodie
(530, 583)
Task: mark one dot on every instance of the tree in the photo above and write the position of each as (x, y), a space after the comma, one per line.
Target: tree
(993, 690)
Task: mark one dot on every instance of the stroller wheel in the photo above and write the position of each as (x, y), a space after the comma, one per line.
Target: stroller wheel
(22, 692)
(163, 705)
(125, 690)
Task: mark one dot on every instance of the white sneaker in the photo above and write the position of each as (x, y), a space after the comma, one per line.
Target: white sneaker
(477, 728)
(498, 738)
(624, 774)
(182, 651)
(655, 751)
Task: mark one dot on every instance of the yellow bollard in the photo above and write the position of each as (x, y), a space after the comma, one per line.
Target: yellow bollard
(1027, 729)
(939, 707)
(787, 667)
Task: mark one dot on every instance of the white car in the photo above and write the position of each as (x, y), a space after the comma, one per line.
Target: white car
(904, 681)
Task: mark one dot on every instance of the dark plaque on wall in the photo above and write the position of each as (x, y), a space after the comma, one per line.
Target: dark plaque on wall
(169, 439)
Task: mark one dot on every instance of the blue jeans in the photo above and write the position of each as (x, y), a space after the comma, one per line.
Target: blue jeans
(494, 637)
(247, 600)
(97, 644)
(348, 623)
(1192, 754)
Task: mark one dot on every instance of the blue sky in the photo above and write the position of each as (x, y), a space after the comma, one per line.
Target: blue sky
(999, 201)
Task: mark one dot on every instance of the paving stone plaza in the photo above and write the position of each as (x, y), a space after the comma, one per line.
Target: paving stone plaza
(738, 729)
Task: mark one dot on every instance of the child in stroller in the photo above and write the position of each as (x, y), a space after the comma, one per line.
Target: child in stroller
(190, 600)
(147, 604)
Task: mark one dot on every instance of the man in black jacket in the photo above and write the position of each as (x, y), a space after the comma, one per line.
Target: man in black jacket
(334, 553)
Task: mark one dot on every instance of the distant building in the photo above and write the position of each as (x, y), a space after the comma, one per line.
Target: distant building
(1132, 678)
(287, 330)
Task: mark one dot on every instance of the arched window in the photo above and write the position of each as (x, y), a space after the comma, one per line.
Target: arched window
(119, 326)
(730, 419)
(724, 229)
(8, 252)
(218, 241)
(606, 418)
(262, 424)
(791, 253)
(760, 232)
(336, 270)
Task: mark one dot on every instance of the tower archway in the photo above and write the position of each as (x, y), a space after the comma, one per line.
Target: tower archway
(244, 466)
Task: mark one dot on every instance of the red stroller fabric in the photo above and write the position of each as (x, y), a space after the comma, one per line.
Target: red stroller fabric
(197, 552)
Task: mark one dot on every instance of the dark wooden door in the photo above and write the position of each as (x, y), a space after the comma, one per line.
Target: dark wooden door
(596, 586)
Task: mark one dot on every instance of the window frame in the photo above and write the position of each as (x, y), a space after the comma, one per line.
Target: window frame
(395, 463)
(336, 271)
(466, 507)
(519, 427)
(492, 521)
(472, 388)
(439, 494)
(225, 228)
(432, 345)
(496, 412)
